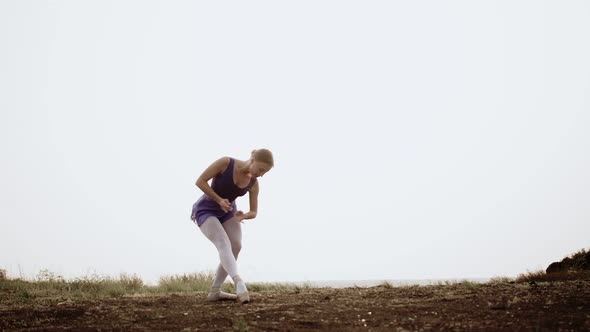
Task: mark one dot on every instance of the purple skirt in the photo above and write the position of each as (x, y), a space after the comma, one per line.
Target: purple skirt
(205, 207)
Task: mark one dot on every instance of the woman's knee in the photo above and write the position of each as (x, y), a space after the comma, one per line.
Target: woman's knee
(236, 246)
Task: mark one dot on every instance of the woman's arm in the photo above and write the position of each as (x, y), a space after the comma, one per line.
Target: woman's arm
(253, 204)
(218, 167)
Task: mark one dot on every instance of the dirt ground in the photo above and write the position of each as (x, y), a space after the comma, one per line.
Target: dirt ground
(558, 306)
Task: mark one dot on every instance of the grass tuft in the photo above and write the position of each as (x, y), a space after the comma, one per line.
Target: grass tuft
(542, 276)
(188, 282)
(387, 285)
(277, 287)
(578, 254)
(132, 282)
(240, 325)
(500, 280)
(470, 284)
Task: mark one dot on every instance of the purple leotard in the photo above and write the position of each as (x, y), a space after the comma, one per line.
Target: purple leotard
(224, 186)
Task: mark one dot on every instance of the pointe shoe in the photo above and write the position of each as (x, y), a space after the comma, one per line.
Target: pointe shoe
(221, 296)
(242, 292)
(243, 298)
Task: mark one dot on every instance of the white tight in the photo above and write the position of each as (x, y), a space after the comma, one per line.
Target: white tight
(227, 238)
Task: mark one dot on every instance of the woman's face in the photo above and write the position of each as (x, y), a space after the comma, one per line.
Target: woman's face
(258, 168)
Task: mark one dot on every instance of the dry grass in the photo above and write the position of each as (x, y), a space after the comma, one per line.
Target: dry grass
(387, 285)
(462, 283)
(578, 254)
(540, 276)
(277, 287)
(573, 268)
(50, 284)
(188, 282)
(500, 280)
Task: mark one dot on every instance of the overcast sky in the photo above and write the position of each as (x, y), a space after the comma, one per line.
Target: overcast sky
(412, 139)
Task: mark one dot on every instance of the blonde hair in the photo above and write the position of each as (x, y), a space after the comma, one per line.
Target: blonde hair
(263, 156)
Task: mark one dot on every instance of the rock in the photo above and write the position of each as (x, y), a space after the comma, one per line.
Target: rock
(577, 262)
(554, 267)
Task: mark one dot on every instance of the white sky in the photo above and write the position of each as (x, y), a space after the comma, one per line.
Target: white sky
(412, 139)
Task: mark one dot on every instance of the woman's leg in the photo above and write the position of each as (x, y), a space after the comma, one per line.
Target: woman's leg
(233, 229)
(214, 231)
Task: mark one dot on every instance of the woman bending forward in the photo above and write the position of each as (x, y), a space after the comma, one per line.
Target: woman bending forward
(218, 218)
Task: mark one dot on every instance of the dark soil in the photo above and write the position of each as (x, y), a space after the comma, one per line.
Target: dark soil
(557, 306)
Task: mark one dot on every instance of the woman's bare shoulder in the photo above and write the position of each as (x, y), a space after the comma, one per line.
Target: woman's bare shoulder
(222, 163)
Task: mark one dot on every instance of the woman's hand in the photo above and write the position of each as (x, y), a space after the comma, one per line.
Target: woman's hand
(241, 215)
(225, 205)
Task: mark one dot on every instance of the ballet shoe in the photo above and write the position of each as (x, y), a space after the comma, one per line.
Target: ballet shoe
(243, 298)
(221, 296)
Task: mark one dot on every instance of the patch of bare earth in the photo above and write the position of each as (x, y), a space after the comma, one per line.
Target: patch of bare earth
(557, 306)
